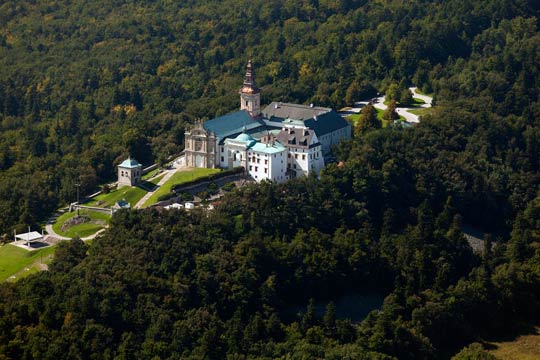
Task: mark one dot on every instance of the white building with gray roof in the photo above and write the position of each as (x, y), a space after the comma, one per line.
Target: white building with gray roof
(312, 131)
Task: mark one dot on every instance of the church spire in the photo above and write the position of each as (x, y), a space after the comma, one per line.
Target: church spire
(250, 94)
(249, 80)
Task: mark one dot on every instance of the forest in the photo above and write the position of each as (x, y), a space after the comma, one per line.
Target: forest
(83, 84)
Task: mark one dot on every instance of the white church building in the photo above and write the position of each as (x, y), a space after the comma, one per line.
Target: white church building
(280, 142)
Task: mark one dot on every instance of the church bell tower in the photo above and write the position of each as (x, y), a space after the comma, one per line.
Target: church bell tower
(250, 94)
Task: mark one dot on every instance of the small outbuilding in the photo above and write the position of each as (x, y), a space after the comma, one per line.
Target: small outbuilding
(119, 205)
(29, 237)
(129, 172)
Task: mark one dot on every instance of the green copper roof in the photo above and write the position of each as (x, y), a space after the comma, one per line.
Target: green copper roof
(231, 123)
(268, 148)
(130, 163)
(244, 137)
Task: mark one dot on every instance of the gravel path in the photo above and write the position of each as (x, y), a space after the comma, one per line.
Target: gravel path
(378, 103)
(177, 164)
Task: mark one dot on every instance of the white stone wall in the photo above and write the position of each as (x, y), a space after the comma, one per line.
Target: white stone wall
(334, 138)
(263, 166)
(258, 165)
(129, 176)
(278, 166)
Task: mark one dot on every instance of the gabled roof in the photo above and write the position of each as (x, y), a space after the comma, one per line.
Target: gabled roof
(327, 123)
(292, 111)
(130, 163)
(322, 120)
(231, 123)
(297, 138)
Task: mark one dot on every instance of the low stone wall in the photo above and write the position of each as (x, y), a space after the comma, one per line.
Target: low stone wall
(194, 189)
(149, 168)
(92, 208)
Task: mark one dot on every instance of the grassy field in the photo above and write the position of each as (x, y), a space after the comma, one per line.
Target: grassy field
(149, 174)
(421, 111)
(14, 261)
(178, 178)
(525, 347)
(131, 194)
(354, 118)
(81, 230)
(431, 94)
(418, 101)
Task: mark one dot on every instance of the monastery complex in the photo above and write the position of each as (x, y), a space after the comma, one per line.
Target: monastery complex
(280, 142)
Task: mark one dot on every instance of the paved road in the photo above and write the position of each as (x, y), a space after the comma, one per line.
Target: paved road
(427, 99)
(379, 104)
(176, 165)
(51, 232)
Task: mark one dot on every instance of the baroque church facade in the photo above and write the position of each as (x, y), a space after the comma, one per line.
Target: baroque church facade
(280, 142)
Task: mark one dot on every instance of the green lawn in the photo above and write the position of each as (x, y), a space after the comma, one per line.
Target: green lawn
(14, 260)
(431, 94)
(132, 194)
(81, 230)
(418, 101)
(421, 111)
(354, 118)
(178, 178)
(149, 174)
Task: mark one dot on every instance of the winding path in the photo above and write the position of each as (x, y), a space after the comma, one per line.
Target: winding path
(51, 232)
(177, 164)
(378, 103)
(402, 111)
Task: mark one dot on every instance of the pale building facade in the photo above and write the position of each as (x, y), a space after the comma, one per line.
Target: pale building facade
(200, 147)
(305, 154)
(262, 160)
(129, 172)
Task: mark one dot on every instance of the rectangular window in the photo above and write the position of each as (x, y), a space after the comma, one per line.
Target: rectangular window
(222, 149)
(296, 156)
(256, 168)
(250, 168)
(222, 159)
(304, 157)
(265, 162)
(258, 161)
(265, 170)
(294, 166)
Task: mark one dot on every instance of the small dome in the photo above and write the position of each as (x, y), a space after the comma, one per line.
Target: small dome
(130, 163)
(243, 137)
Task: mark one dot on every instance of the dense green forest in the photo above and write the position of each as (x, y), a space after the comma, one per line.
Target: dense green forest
(84, 83)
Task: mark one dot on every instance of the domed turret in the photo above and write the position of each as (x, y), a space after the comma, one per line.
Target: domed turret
(250, 94)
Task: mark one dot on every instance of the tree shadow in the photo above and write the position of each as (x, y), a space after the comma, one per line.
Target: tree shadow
(147, 186)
